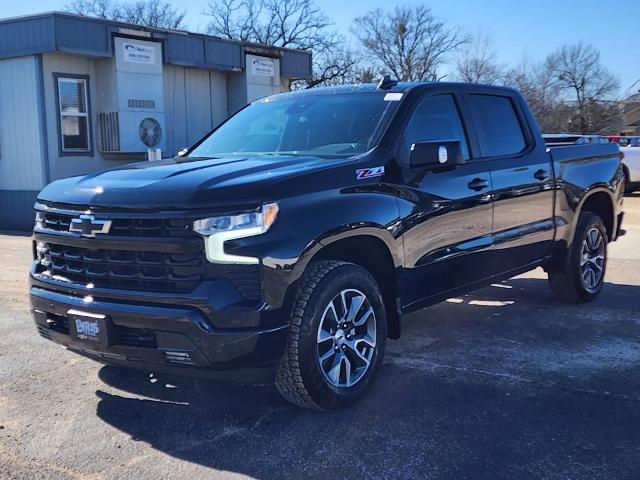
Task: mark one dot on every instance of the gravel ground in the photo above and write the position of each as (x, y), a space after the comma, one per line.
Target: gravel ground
(503, 383)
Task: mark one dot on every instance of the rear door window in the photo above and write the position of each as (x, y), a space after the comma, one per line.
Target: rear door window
(498, 125)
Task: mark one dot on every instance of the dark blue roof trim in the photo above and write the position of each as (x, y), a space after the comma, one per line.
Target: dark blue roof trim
(49, 32)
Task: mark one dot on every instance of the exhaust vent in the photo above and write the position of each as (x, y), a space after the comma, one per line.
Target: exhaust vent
(137, 103)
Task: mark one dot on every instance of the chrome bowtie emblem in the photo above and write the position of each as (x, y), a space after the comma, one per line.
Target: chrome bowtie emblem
(88, 226)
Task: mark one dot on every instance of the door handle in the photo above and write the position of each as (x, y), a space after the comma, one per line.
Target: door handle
(541, 175)
(478, 184)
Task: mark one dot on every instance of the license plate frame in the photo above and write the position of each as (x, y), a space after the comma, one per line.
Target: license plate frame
(89, 328)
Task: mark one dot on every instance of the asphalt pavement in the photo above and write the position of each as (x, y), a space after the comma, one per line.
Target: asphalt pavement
(504, 383)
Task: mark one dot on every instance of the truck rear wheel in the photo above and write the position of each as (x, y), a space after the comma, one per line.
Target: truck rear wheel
(583, 276)
(336, 339)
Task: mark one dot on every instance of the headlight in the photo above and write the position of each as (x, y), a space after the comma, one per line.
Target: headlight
(218, 230)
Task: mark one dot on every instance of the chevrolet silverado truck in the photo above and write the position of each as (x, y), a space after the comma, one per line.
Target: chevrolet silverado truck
(288, 243)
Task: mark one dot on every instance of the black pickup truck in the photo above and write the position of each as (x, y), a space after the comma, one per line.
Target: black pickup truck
(287, 244)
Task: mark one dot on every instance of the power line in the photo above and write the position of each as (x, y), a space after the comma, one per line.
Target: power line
(628, 90)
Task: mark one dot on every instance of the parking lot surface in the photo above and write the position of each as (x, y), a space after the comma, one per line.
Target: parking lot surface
(503, 383)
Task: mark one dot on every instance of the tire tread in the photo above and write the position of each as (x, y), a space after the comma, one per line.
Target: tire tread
(565, 284)
(289, 377)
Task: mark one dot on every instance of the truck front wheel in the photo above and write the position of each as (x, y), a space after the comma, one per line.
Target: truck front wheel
(336, 339)
(583, 275)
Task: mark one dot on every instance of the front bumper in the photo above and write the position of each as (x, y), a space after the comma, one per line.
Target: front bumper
(177, 339)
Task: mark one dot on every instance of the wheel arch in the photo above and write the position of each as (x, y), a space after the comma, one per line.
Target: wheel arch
(367, 248)
(601, 203)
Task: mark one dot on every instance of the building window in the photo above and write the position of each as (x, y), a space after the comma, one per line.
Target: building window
(73, 107)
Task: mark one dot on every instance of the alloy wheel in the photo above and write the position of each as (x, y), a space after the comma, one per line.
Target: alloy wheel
(346, 339)
(592, 260)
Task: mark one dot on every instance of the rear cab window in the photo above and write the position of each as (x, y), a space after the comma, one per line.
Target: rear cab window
(498, 124)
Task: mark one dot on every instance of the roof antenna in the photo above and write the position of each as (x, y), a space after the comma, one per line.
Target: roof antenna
(386, 82)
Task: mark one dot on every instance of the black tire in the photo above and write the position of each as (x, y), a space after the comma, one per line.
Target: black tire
(300, 378)
(569, 284)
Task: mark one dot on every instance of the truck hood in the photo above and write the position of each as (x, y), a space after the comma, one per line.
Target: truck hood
(181, 183)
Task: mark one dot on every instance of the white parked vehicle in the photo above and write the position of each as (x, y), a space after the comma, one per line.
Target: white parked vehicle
(630, 146)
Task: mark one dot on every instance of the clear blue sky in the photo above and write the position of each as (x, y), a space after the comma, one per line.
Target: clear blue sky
(529, 27)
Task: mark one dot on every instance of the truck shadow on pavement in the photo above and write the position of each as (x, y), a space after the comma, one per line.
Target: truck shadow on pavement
(502, 382)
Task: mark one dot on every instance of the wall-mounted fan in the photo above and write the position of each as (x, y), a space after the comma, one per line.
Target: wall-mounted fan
(150, 132)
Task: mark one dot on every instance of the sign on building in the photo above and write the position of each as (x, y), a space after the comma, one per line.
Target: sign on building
(263, 67)
(136, 52)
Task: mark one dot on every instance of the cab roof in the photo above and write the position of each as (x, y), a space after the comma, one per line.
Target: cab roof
(400, 87)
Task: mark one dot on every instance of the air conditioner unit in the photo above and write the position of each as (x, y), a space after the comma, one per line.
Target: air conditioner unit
(131, 98)
(131, 132)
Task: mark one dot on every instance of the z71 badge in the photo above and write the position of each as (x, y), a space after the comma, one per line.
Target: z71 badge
(363, 173)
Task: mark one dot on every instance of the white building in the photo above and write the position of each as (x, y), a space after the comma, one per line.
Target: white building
(79, 94)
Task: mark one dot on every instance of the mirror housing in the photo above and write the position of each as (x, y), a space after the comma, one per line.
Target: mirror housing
(436, 154)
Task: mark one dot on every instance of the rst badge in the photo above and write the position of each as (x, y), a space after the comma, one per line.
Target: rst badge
(363, 173)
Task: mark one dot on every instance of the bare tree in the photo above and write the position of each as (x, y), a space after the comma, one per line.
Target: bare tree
(477, 61)
(150, 13)
(153, 13)
(408, 42)
(280, 23)
(535, 82)
(333, 64)
(106, 9)
(289, 24)
(234, 19)
(579, 75)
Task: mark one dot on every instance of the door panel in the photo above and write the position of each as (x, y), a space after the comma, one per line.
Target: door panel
(523, 212)
(446, 213)
(522, 178)
(446, 231)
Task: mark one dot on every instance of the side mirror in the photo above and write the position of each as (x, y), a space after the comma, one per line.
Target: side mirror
(436, 154)
(182, 152)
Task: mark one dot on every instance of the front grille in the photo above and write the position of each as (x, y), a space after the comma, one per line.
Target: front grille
(57, 222)
(147, 270)
(129, 227)
(126, 269)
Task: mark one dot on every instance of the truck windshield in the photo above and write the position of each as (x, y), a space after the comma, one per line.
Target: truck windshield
(331, 126)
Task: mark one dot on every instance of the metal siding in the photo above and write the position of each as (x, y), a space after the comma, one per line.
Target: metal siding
(21, 154)
(223, 54)
(25, 36)
(296, 64)
(198, 97)
(175, 108)
(91, 36)
(184, 49)
(16, 210)
(218, 84)
(82, 35)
